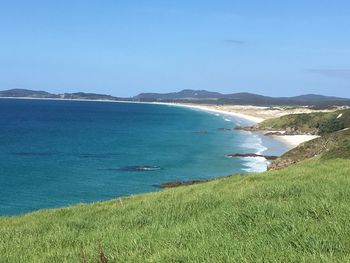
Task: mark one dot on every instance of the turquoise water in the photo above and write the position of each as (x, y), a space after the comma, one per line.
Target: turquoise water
(57, 153)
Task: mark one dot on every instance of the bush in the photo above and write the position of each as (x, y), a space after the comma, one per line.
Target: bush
(331, 125)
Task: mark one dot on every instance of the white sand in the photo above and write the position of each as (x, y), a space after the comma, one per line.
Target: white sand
(293, 141)
(212, 109)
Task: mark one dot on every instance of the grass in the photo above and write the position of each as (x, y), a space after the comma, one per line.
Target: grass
(341, 149)
(299, 214)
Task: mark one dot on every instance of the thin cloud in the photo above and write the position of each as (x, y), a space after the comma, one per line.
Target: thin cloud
(335, 73)
(237, 42)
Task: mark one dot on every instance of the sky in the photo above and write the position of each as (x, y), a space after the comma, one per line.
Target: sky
(124, 47)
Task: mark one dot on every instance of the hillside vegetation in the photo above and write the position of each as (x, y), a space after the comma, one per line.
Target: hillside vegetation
(328, 146)
(313, 123)
(242, 98)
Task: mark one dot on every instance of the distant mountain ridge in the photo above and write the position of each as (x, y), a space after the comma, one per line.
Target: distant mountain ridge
(193, 96)
(242, 98)
(184, 94)
(25, 93)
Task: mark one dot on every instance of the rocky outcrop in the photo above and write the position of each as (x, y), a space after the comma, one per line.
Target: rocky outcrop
(274, 134)
(269, 131)
(177, 183)
(239, 155)
(249, 128)
(142, 168)
(282, 163)
(284, 133)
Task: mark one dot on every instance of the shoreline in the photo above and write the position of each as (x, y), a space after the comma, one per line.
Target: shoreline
(291, 141)
(193, 106)
(209, 108)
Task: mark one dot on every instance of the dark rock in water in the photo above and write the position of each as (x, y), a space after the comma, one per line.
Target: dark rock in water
(98, 155)
(133, 168)
(267, 157)
(202, 132)
(177, 184)
(140, 168)
(33, 153)
(225, 129)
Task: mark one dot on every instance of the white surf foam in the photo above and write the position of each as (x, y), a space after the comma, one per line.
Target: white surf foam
(255, 164)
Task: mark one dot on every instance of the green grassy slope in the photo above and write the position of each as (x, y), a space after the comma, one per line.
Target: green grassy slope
(315, 123)
(299, 214)
(333, 145)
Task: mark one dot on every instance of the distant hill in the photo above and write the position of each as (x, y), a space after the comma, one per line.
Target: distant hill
(193, 96)
(243, 98)
(88, 96)
(184, 94)
(26, 94)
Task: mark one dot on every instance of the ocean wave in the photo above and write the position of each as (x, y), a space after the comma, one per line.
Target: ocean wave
(255, 164)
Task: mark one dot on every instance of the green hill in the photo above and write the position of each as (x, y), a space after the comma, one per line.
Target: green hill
(243, 98)
(329, 146)
(313, 123)
(298, 214)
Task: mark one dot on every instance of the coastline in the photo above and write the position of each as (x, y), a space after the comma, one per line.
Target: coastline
(291, 141)
(209, 108)
(193, 106)
(254, 114)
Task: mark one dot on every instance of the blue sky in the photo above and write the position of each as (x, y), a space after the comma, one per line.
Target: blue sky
(124, 47)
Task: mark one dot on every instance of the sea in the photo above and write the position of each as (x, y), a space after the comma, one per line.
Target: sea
(56, 153)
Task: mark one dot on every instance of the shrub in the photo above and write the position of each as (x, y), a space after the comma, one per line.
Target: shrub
(331, 125)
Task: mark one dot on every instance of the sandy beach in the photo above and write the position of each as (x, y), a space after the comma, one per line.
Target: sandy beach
(256, 115)
(221, 110)
(253, 113)
(294, 140)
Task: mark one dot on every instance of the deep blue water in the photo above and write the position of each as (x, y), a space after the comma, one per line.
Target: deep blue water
(57, 153)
